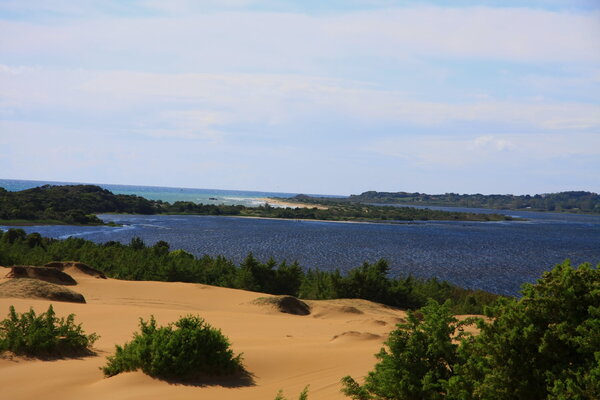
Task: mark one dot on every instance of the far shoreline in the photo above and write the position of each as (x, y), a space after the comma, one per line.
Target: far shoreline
(45, 222)
(291, 204)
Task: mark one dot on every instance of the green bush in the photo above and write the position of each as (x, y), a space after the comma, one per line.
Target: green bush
(43, 335)
(418, 360)
(302, 396)
(187, 349)
(545, 345)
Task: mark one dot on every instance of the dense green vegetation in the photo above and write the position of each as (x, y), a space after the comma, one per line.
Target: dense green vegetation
(187, 349)
(418, 360)
(77, 204)
(545, 345)
(574, 201)
(43, 335)
(74, 204)
(136, 261)
(347, 211)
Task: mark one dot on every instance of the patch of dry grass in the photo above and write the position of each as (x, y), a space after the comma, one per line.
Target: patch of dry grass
(34, 288)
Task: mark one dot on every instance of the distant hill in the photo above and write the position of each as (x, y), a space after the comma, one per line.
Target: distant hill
(75, 204)
(574, 201)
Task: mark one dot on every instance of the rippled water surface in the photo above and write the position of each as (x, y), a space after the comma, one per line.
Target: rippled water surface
(494, 256)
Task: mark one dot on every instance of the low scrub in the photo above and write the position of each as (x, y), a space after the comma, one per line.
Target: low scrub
(285, 304)
(302, 396)
(43, 335)
(187, 349)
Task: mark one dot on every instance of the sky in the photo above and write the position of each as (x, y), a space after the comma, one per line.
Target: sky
(331, 97)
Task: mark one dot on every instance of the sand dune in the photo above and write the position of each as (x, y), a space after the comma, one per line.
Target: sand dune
(41, 273)
(281, 350)
(75, 268)
(351, 336)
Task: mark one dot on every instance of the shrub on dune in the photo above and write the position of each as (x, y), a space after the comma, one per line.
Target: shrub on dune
(187, 349)
(545, 345)
(43, 335)
(302, 396)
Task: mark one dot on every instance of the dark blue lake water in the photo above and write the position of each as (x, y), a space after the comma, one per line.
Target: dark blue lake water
(494, 256)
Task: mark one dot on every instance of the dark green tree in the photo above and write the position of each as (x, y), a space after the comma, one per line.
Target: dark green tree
(288, 279)
(13, 235)
(161, 248)
(418, 359)
(368, 281)
(137, 243)
(34, 239)
(544, 345)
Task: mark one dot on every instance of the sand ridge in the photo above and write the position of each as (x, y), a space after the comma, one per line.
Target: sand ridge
(282, 351)
(38, 289)
(75, 268)
(41, 273)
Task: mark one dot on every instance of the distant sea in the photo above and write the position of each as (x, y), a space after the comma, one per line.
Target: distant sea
(494, 256)
(170, 194)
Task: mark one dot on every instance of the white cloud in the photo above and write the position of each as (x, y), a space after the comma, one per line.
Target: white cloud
(186, 6)
(206, 104)
(269, 43)
(271, 87)
(433, 152)
(11, 70)
(65, 7)
(292, 41)
(490, 142)
(190, 124)
(510, 34)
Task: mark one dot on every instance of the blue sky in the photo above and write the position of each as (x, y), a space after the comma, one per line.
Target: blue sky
(331, 97)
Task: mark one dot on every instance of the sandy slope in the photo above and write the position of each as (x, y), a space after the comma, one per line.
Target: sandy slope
(282, 351)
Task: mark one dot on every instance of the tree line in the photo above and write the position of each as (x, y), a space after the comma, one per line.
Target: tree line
(570, 201)
(158, 262)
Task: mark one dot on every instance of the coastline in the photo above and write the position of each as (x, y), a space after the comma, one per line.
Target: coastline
(43, 222)
(300, 219)
(378, 222)
(398, 222)
(290, 204)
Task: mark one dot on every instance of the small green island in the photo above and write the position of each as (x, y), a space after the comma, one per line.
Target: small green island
(79, 204)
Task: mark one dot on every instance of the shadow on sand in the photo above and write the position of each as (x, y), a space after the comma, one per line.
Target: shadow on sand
(64, 355)
(240, 379)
